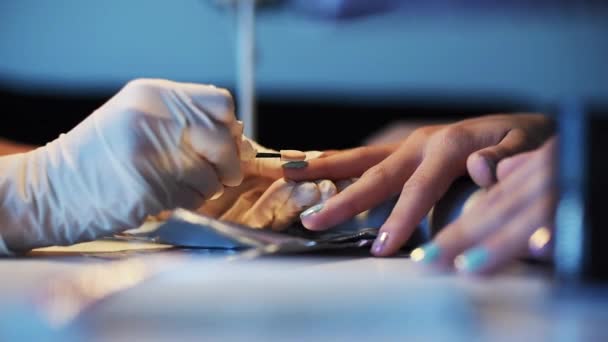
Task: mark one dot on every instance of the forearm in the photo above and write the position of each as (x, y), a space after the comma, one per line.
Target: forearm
(9, 147)
(49, 196)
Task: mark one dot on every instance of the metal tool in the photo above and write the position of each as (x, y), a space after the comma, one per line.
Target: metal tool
(288, 155)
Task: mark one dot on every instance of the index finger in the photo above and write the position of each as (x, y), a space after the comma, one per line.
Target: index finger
(375, 186)
(341, 165)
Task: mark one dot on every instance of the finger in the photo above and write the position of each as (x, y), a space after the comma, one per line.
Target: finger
(201, 178)
(240, 206)
(314, 155)
(498, 205)
(215, 102)
(281, 204)
(210, 111)
(217, 208)
(482, 164)
(327, 189)
(421, 191)
(328, 153)
(207, 129)
(347, 164)
(303, 196)
(246, 150)
(506, 244)
(372, 188)
(261, 214)
(508, 165)
(215, 144)
(541, 243)
(273, 167)
(264, 167)
(344, 183)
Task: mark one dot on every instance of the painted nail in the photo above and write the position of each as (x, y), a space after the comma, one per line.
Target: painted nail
(311, 211)
(539, 240)
(427, 253)
(380, 242)
(300, 164)
(472, 260)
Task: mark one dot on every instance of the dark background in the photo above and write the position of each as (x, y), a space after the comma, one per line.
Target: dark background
(307, 124)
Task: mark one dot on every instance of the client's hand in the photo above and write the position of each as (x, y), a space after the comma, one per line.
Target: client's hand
(513, 218)
(420, 170)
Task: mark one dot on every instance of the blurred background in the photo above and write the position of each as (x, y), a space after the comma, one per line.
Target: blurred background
(328, 72)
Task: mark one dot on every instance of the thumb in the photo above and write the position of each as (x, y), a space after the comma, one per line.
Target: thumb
(481, 164)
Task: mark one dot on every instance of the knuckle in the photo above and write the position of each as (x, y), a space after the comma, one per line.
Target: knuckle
(378, 172)
(226, 100)
(142, 83)
(423, 133)
(380, 176)
(420, 184)
(521, 141)
(453, 140)
(362, 152)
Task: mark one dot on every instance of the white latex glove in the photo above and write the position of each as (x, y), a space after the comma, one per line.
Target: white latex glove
(155, 145)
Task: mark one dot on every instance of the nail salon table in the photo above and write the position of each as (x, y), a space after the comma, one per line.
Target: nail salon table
(129, 291)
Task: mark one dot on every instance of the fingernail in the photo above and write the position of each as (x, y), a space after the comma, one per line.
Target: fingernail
(300, 164)
(427, 253)
(472, 260)
(311, 211)
(539, 240)
(380, 242)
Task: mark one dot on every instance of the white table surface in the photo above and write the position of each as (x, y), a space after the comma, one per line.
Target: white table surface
(211, 296)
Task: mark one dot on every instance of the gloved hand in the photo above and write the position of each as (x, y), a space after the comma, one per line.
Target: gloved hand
(155, 145)
(265, 199)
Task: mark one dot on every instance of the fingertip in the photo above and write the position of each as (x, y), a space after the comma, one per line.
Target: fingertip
(327, 189)
(387, 243)
(234, 178)
(482, 169)
(312, 218)
(214, 101)
(379, 245)
(473, 261)
(311, 223)
(246, 149)
(306, 193)
(313, 227)
(428, 253)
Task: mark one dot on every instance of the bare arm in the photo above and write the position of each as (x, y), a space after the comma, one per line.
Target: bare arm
(11, 147)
